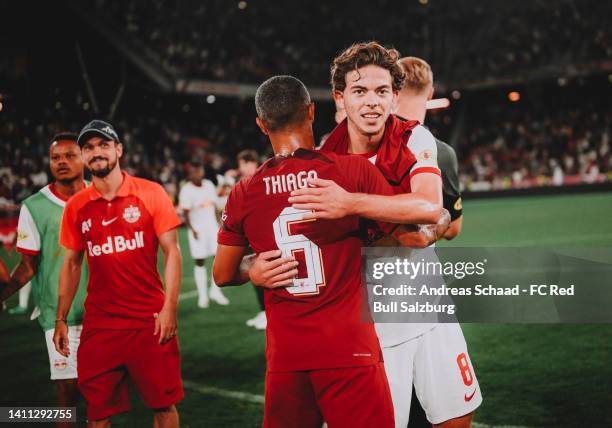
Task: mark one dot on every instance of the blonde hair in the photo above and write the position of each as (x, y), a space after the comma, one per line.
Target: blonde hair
(418, 74)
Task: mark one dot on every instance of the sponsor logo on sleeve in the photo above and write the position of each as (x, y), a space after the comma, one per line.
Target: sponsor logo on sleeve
(425, 155)
(458, 205)
(22, 236)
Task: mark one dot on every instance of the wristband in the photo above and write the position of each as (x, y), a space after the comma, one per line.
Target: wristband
(61, 320)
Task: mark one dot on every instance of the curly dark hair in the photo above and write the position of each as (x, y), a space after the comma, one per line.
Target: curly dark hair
(362, 54)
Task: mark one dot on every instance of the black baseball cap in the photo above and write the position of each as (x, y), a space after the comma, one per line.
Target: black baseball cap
(97, 128)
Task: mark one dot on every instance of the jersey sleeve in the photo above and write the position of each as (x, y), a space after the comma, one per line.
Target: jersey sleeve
(183, 200)
(161, 208)
(231, 231)
(71, 233)
(28, 238)
(451, 189)
(423, 145)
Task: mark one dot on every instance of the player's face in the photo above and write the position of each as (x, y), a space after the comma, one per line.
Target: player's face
(101, 156)
(246, 169)
(196, 174)
(65, 161)
(367, 99)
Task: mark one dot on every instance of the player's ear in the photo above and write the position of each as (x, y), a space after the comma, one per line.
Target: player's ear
(119, 149)
(431, 92)
(395, 101)
(261, 125)
(339, 100)
(310, 113)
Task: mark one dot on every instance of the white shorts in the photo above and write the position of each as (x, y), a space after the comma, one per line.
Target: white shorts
(203, 247)
(62, 367)
(438, 364)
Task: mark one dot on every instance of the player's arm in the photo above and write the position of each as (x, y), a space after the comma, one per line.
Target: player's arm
(166, 324)
(4, 273)
(447, 158)
(70, 275)
(330, 201)
(23, 273)
(268, 269)
(229, 267)
(28, 244)
(454, 229)
(188, 223)
(422, 235)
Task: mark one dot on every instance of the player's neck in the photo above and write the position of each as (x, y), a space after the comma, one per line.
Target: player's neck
(197, 183)
(412, 107)
(67, 189)
(109, 186)
(363, 143)
(286, 142)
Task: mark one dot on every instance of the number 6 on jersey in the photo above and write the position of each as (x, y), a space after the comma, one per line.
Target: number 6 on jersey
(295, 245)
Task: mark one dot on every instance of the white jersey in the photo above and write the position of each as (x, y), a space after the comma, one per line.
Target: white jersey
(201, 202)
(423, 145)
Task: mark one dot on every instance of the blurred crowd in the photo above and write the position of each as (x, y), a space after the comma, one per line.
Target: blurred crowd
(156, 147)
(246, 41)
(499, 147)
(521, 148)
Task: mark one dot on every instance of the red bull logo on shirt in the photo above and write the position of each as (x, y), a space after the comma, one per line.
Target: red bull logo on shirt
(116, 244)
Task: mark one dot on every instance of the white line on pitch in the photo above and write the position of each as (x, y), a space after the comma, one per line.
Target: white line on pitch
(479, 425)
(211, 390)
(188, 295)
(259, 399)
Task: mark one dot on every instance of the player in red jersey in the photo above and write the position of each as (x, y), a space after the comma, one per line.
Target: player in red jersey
(366, 80)
(322, 351)
(129, 328)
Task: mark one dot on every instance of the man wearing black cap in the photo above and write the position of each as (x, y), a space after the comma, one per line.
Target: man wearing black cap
(129, 328)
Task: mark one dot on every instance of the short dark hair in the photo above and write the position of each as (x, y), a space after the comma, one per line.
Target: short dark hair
(65, 136)
(362, 54)
(281, 101)
(248, 155)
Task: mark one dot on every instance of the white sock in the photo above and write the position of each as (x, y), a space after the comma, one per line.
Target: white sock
(213, 284)
(24, 295)
(201, 276)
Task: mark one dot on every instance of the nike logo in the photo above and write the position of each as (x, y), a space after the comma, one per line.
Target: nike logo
(468, 398)
(106, 223)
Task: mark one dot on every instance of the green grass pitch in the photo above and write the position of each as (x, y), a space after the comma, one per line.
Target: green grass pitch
(530, 375)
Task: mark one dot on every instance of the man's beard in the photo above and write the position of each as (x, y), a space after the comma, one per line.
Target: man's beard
(101, 173)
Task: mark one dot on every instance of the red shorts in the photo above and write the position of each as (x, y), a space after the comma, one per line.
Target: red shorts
(346, 397)
(105, 360)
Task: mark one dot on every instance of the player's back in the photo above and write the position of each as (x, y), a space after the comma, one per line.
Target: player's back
(322, 320)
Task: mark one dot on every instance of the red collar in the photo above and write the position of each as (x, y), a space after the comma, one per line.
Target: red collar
(394, 159)
(124, 189)
(58, 195)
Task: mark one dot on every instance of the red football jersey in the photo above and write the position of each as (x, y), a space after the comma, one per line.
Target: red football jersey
(120, 240)
(322, 320)
(394, 155)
